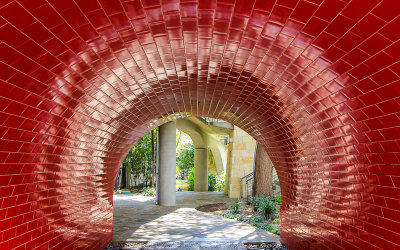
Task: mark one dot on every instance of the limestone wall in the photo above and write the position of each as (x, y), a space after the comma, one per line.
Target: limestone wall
(240, 160)
(212, 168)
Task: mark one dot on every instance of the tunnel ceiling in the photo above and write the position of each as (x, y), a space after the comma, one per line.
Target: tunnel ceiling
(315, 82)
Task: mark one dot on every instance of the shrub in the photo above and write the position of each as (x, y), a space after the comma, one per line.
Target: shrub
(236, 207)
(228, 215)
(275, 231)
(184, 159)
(212, 182)
(221, 182)
(216, 182)
(267, 208)
(241, 217)
(258, 219)
(149, 191)
(138, 161)
(277, 200)
(266, 226)
(256, 202)
(190, 180)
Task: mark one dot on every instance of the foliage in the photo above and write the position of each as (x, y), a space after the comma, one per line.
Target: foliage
(228, 215)
(149, 191)
(190, 180)
(221, 182)
(177, 171)
(179, 189)
(139, 162)
(256, 203)
(256, 221)
(212, 182)
(184, 155)
(241, 217)
(277, 200)
(267, 209)
(237, 206)
(216, 182)
(266, 206)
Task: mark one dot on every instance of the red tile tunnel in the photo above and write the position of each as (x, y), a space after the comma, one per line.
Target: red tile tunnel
(316, 82)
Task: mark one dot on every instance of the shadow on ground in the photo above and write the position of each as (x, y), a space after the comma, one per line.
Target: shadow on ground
(137, 218)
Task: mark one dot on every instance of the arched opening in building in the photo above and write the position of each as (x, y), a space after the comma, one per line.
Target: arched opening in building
(242, 161)
(316, 82)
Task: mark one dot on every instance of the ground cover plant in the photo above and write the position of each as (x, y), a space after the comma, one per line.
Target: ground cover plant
(262, 212)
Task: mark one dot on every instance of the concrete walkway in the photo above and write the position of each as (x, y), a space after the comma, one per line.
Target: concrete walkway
(137, 218)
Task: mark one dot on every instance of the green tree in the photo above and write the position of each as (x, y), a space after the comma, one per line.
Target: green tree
(185, 159)
(212, 182)
(190, 180)
(139, 161)
(184, 154)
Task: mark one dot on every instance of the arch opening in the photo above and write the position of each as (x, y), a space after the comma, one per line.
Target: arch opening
(315, 82)
(130, 222)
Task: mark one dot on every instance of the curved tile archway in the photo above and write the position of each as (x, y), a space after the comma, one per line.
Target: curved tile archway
(315, 82)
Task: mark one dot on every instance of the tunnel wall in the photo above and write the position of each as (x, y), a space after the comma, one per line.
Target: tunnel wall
(315, 82)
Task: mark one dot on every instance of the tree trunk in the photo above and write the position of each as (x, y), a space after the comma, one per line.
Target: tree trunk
(262, 174)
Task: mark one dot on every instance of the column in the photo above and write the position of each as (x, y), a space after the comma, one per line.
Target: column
(200, 170)
(166, 182)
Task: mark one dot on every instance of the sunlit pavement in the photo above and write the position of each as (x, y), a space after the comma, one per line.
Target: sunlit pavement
(137, 218)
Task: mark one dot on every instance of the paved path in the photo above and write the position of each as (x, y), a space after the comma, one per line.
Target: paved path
(194, 245)
(137, 218)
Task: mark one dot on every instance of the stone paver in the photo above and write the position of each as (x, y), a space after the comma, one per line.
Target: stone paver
(137, 218)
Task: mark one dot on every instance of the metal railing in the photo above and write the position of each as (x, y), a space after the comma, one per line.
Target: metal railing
(247, 186)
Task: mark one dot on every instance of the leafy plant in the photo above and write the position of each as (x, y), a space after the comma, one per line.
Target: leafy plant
(228, 215)
(212, 182)
(257, 221)
(139, 162)
(241, 217)
(184, 155)
(236, 207)
(190, 180)
(267, 208)
(149, 191)
(178, 172)
(221, 182)
(256, 202)
(216, 182)
(277, 200)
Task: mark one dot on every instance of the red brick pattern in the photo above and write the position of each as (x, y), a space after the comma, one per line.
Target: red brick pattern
(316, 82)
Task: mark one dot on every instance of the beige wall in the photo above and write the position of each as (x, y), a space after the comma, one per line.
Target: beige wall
(212, 168)
(240, 160)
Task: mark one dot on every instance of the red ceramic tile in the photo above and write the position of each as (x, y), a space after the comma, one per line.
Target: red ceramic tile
(386, 9)
(316, 82)
(368, 26)
(356, 9)
(304, 11)
(340, 25)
